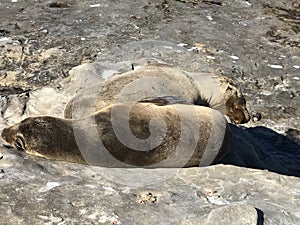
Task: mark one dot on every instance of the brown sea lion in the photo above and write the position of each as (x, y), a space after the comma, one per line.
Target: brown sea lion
(159, 80)
(176, 135)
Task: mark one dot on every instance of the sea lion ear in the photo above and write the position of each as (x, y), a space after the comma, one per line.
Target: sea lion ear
(164, 100)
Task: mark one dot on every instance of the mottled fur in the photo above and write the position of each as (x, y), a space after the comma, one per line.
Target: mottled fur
(54, 138)
(204, 89)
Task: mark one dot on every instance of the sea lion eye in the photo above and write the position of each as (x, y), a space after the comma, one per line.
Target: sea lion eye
(19, 143)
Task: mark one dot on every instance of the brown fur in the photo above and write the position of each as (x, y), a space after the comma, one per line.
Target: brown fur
(235, 102)
(53, 138)
(199, 89)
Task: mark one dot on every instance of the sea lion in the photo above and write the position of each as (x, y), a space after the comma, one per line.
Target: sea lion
(159, 80)
(184, 136)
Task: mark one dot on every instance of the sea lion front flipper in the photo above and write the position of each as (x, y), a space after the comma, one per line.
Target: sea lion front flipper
(165, 100)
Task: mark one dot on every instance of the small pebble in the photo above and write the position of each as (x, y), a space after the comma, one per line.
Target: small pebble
(95, 5)
(234, 57)
(209, 18)
(182, 44)
(256, 117)
(248, 3)
(210, 57)
(168, 47)
(276, 66)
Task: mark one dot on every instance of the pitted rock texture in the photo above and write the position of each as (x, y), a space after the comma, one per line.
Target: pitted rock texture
(37, 191)
(254, 42)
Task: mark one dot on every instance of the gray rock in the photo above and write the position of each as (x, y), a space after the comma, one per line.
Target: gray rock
(233, 214)
(37, 191)
(254, 42)
(258, 45)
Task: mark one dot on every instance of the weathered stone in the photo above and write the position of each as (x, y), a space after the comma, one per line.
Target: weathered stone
(233, 214)
(259, 42)
(254, 42)
(35, 191)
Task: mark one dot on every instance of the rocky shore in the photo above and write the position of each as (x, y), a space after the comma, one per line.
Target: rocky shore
(45, 45)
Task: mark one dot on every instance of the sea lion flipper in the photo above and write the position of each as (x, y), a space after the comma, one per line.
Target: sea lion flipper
(164, 100)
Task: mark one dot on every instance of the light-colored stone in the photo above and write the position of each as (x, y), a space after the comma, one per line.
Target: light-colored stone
(260, 33)
(233, 215)
(37, 191)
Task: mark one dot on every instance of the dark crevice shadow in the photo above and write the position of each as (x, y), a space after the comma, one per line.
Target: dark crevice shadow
(260, 217)
(262, 148)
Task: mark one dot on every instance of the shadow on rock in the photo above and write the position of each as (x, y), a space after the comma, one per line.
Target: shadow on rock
(262, 148)
(260, 217)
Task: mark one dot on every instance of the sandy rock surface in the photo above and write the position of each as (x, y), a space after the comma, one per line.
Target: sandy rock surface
(48, 47)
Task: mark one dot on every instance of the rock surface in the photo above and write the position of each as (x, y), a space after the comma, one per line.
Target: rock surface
(35, 191)
(254, 42)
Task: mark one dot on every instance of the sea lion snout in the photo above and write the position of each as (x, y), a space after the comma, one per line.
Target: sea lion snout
(11, 139)
(6, 137)
(43, 136)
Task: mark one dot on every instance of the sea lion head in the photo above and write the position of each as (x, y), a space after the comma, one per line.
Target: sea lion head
(236, 109)
(43, 136)
(235, 103)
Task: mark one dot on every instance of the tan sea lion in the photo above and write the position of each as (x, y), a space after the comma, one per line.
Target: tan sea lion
(159, 80)
(193, 136)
